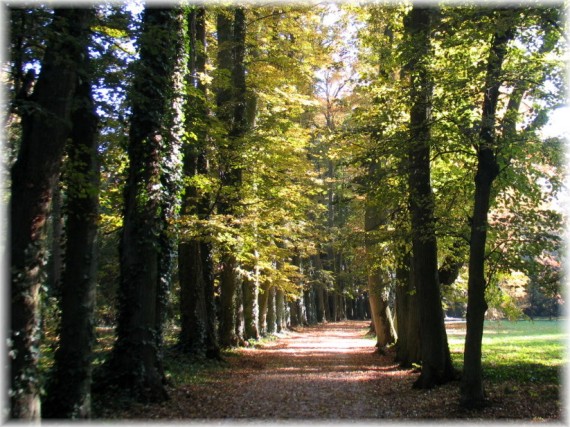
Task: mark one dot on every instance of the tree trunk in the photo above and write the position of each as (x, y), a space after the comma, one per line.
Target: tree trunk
(279, 305)
(333, 301)
(271, 312)
(212, 347)
(310, 306)
(55, 263)
(263, 309)
(45, 129)
(436, 360)
(145, 249)
(251, 308)
(380, 311)
(69, 389)
(342, 307)
(408, 349)
(239, 313)
(228, 300)
(294, 310)
(193, 312)
(231, 103)
(197, 310)
(472, 390)
(328, 316)
(321, 302)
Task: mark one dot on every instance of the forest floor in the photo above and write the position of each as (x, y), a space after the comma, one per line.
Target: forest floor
(329, 372)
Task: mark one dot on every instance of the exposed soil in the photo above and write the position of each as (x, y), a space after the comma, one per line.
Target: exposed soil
(329, 372)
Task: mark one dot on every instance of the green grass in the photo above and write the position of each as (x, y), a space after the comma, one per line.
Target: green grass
(522, 351)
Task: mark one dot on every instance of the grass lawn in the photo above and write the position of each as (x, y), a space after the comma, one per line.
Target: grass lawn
(523, 351)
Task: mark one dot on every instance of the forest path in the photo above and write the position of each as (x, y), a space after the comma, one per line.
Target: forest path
(322, 373)
(326, 371)
(329, 371)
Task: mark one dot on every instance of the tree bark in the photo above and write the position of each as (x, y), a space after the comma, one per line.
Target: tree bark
(145, 249)
(239, 313)
(280, 317)
(45, 128)
(472, 390)
(322, 300)
(197, 310)
(231, 103)
(251, 308)
(271, 312)
(378, 298)
(55, 263)
(193, 313)
(69, 390)
(408, 349)
(263, 309)
(436, 360)
(381, 313)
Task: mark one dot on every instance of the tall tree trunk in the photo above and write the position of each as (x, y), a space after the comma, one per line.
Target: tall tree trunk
(45, 128)
(197, 310)
(472, 390)
(69, 389)
(436, 360)
(231, 102)
(135, 363)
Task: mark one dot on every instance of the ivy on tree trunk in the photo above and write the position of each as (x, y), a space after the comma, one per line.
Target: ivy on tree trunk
(145, 248)
(69, 389)
(197, 310)
(45, 127)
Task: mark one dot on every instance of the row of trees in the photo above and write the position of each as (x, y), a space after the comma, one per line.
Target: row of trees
(241, 170)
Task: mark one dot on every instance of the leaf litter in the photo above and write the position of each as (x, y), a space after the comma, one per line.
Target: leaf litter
(332, 372)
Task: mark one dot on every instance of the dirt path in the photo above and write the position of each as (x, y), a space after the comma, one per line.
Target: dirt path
(325, 372)
(329, 371)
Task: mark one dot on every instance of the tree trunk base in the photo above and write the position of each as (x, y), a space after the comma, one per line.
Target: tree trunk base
(110, 377)
(429, 380)
(476, 403)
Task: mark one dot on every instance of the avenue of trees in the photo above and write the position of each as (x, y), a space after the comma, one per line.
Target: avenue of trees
(230, 172)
